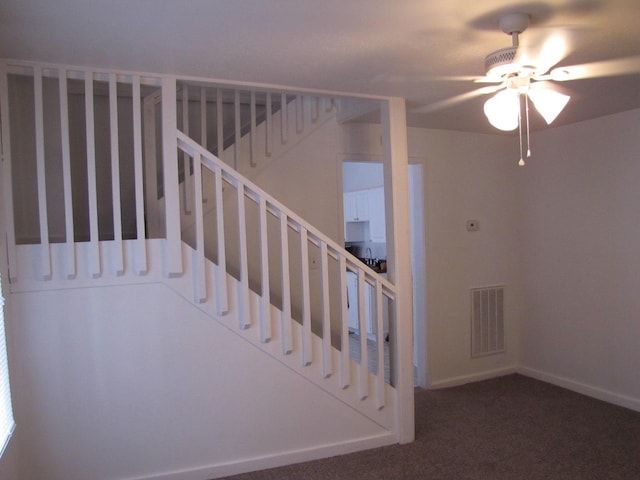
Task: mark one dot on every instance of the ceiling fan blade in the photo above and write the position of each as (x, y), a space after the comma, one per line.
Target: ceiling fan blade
(391, 78)
(605, 68)
(486, 79)
(449, 102)
(544, 48)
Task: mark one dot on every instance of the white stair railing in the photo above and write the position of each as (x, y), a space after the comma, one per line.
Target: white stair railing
(57, 93)
(248, 128)
(333, 263)
(245, 127)
(274, 252)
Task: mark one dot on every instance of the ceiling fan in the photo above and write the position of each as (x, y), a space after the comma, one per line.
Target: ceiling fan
(519, 75)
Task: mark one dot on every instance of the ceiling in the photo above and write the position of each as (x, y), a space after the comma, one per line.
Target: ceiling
(385, 47)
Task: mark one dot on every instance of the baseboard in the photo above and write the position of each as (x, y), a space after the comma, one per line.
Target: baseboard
(583, 388)
(475, 377)
(276, 460)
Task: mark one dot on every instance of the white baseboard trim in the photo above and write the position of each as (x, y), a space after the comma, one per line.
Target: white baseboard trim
(275, 460)
(474, 377)
(583, 388)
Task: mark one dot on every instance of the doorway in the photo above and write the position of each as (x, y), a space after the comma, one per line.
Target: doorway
(359, 174)
(419, 272)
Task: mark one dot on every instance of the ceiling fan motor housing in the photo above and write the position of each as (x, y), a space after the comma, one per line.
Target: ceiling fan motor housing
(501, 62)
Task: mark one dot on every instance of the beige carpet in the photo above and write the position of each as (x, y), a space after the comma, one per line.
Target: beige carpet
(509, 428)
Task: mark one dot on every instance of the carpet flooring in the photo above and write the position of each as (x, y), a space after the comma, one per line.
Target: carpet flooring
(372, 355)
(512, 427)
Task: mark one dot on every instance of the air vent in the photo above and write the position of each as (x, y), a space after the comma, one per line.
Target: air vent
(487, 321)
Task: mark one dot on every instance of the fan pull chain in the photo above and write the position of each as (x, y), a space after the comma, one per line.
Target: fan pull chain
(526, 99)
(521, 162)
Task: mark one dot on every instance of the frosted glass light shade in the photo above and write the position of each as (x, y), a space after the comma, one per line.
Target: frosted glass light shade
(502, 109)
(548, 102)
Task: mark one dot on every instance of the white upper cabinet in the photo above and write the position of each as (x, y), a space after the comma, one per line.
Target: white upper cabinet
(356, 206)
(377, 224)
(365, 206)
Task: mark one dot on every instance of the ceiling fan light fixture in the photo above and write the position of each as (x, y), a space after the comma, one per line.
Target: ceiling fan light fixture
(502, 110)
(548, 102)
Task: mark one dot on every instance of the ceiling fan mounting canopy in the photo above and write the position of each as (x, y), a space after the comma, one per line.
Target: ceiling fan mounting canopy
(515, 22)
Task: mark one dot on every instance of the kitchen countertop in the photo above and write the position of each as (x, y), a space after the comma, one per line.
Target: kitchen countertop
(378, 265)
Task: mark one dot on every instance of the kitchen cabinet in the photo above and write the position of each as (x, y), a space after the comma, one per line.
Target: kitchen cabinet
(356, 206)
(364, 216)
(365, 206)
(377, 222)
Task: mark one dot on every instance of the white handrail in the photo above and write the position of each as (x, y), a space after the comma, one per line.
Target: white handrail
(253, 192)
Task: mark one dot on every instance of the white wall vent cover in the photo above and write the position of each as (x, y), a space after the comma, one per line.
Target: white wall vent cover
(487, 320)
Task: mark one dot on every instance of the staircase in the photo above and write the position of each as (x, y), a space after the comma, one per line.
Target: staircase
(191, 219)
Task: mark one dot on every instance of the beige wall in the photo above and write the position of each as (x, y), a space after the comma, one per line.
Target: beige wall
(561, 234)
(581, 258)
(467, 176)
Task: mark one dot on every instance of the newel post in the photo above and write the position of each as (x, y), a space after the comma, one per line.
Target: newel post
(7, 232)
(396, 173)
(173, 242)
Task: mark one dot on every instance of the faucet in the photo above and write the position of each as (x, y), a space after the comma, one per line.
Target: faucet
(369, 261)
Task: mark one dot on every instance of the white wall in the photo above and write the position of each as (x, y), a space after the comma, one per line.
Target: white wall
(135, 382)
(573, 201)
(467, 176)
(581, 248)
(305, 179)
(358, 175)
